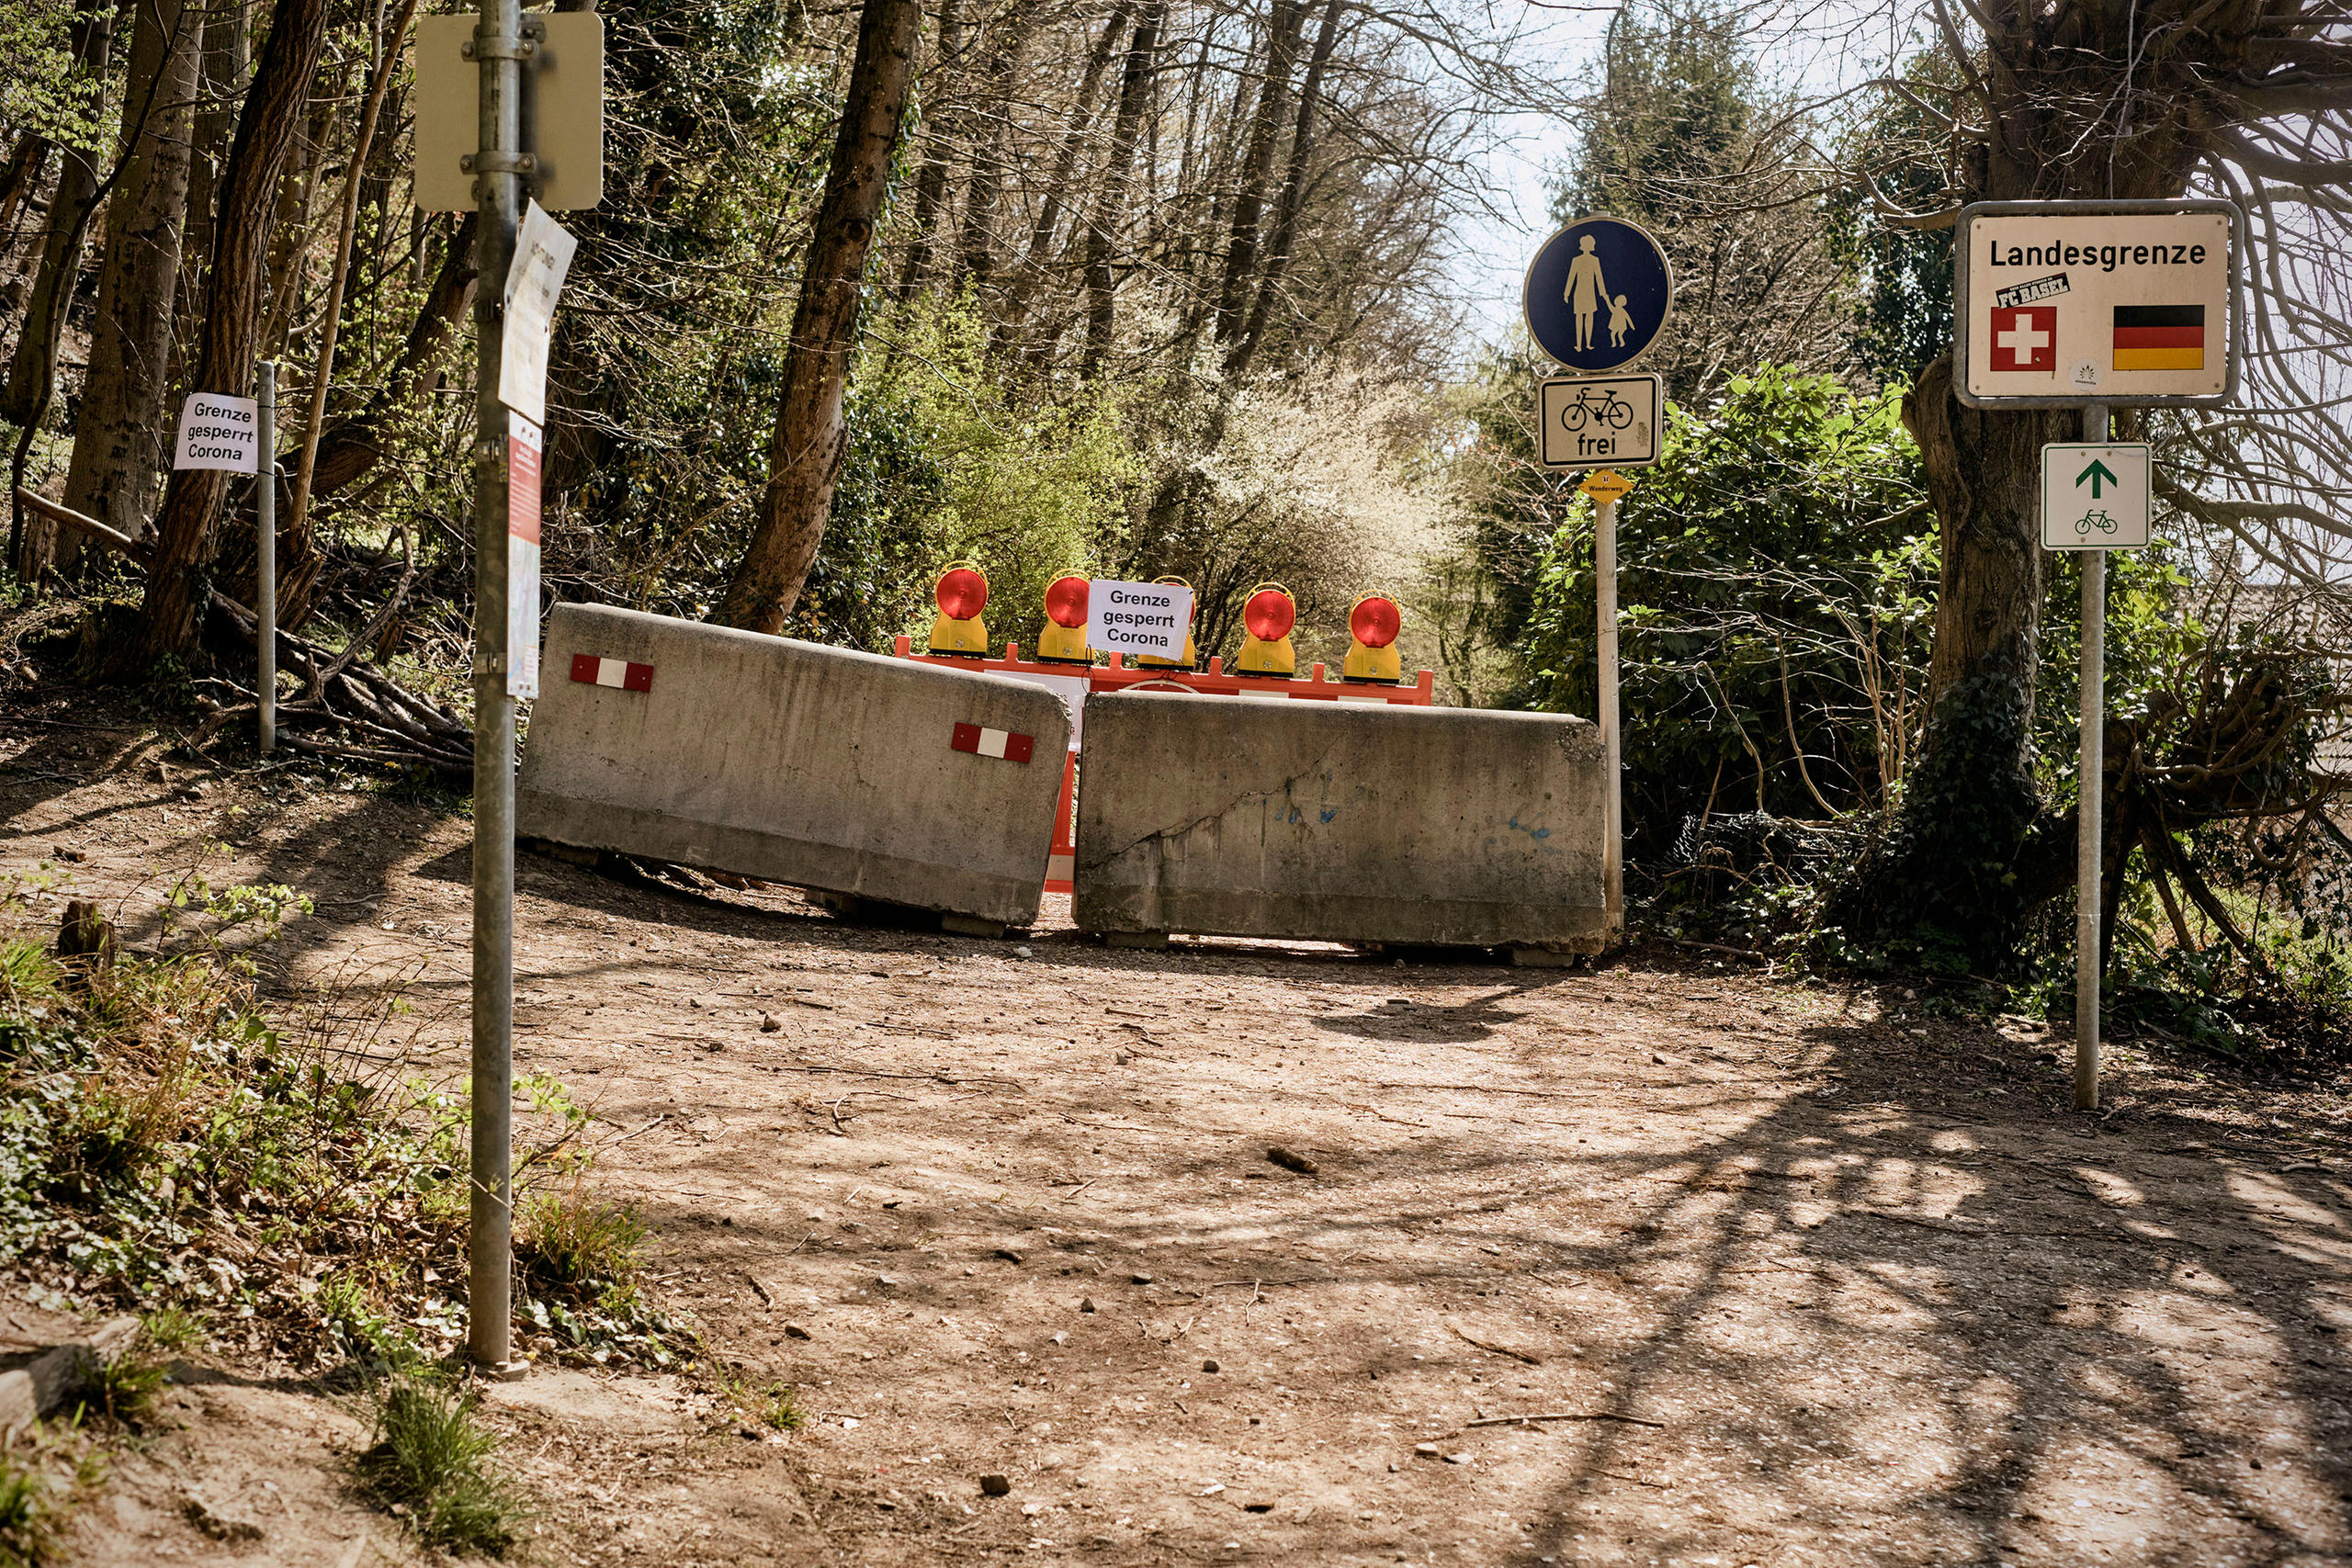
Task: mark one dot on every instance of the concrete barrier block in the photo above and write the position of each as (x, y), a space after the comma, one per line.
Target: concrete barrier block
(822, 767)
(1341, 822)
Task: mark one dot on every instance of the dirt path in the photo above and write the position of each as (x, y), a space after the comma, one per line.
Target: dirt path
(1789, 1275)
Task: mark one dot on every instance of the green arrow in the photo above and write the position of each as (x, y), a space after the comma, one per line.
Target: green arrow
(2097, 471)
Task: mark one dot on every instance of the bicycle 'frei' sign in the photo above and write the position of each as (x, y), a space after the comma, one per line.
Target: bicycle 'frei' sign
(2095, 497)
(1598, 294)
(1598, 421)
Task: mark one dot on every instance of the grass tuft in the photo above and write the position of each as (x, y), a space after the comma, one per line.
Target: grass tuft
(783, 1411)
(428, 1463)
(571, 1241)
(28, 1523)
(127, 1385)
(172, 1329)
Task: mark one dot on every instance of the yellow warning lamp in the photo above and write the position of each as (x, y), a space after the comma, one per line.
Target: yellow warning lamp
(1064, 640)
(962, 595)
(1192, 655)
(1267, 617)
(1374, 623)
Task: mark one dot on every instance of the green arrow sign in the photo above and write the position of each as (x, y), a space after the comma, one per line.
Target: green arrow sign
(2095, 473)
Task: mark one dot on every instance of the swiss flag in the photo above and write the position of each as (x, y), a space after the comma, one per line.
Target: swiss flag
(2025, 337)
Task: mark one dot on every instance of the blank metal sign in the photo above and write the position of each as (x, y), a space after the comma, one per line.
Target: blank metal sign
(570, 111)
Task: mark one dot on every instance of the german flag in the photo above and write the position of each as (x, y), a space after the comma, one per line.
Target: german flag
(2160, 337)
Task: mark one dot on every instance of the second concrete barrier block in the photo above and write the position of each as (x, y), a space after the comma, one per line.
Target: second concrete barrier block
(1343, 822)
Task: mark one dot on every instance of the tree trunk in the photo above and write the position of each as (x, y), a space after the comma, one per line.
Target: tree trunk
(1302, 151)
(1102, 239)
(179, 581)
(1257, 165)
(33, 366)
(302, 558)
(1049, 211)
(1963, 864)
(118, 439)
(979, 258)
(939, 145)
(220, 74)
(805, 453)
(349, 447)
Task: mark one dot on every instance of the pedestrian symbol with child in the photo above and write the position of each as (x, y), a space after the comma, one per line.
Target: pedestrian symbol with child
(1597, 294)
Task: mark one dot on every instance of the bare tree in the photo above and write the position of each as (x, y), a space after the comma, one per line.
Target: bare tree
(2081, 101)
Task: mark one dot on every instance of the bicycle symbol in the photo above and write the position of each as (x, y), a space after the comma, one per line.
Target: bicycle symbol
(2095, 518)
(1601, 408)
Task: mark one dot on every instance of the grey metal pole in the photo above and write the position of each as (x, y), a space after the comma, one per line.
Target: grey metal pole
(265, 540)
(1612, 829)
(2092, 786)
(498, 48)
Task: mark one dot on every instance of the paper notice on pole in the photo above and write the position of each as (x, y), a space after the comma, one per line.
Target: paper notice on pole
(542, 256)
(219, 433)
(1140, 619)
(523, 451)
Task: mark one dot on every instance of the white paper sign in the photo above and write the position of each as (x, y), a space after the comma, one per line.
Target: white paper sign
(542, 256)
(1138, 619)
(219, 431)
(522, 451)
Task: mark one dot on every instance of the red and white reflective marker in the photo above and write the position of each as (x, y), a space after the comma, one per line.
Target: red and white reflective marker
(590, 670)
(1000, 743)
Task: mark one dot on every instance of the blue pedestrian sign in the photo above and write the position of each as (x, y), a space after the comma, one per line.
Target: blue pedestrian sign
(1598, 294)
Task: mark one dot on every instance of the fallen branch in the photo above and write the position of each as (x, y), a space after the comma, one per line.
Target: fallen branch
(1563, 1415)
(1717, 947)
(1469, 1338)
(419, 729)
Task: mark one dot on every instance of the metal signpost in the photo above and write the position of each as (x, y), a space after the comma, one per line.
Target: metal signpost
(524, 94)
(265, 541)
(2087, 304)
(1598, 294)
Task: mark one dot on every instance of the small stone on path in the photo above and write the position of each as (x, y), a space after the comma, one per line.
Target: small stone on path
(994, 1486)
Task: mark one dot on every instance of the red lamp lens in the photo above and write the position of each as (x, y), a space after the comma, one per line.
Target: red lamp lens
(1270, 614)
(1374, 622)
(962, 594)
(1066, 603)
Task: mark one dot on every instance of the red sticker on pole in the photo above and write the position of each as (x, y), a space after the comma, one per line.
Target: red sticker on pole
(523, 443)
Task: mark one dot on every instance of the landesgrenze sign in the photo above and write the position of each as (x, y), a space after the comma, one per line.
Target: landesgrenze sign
(2064, 303)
